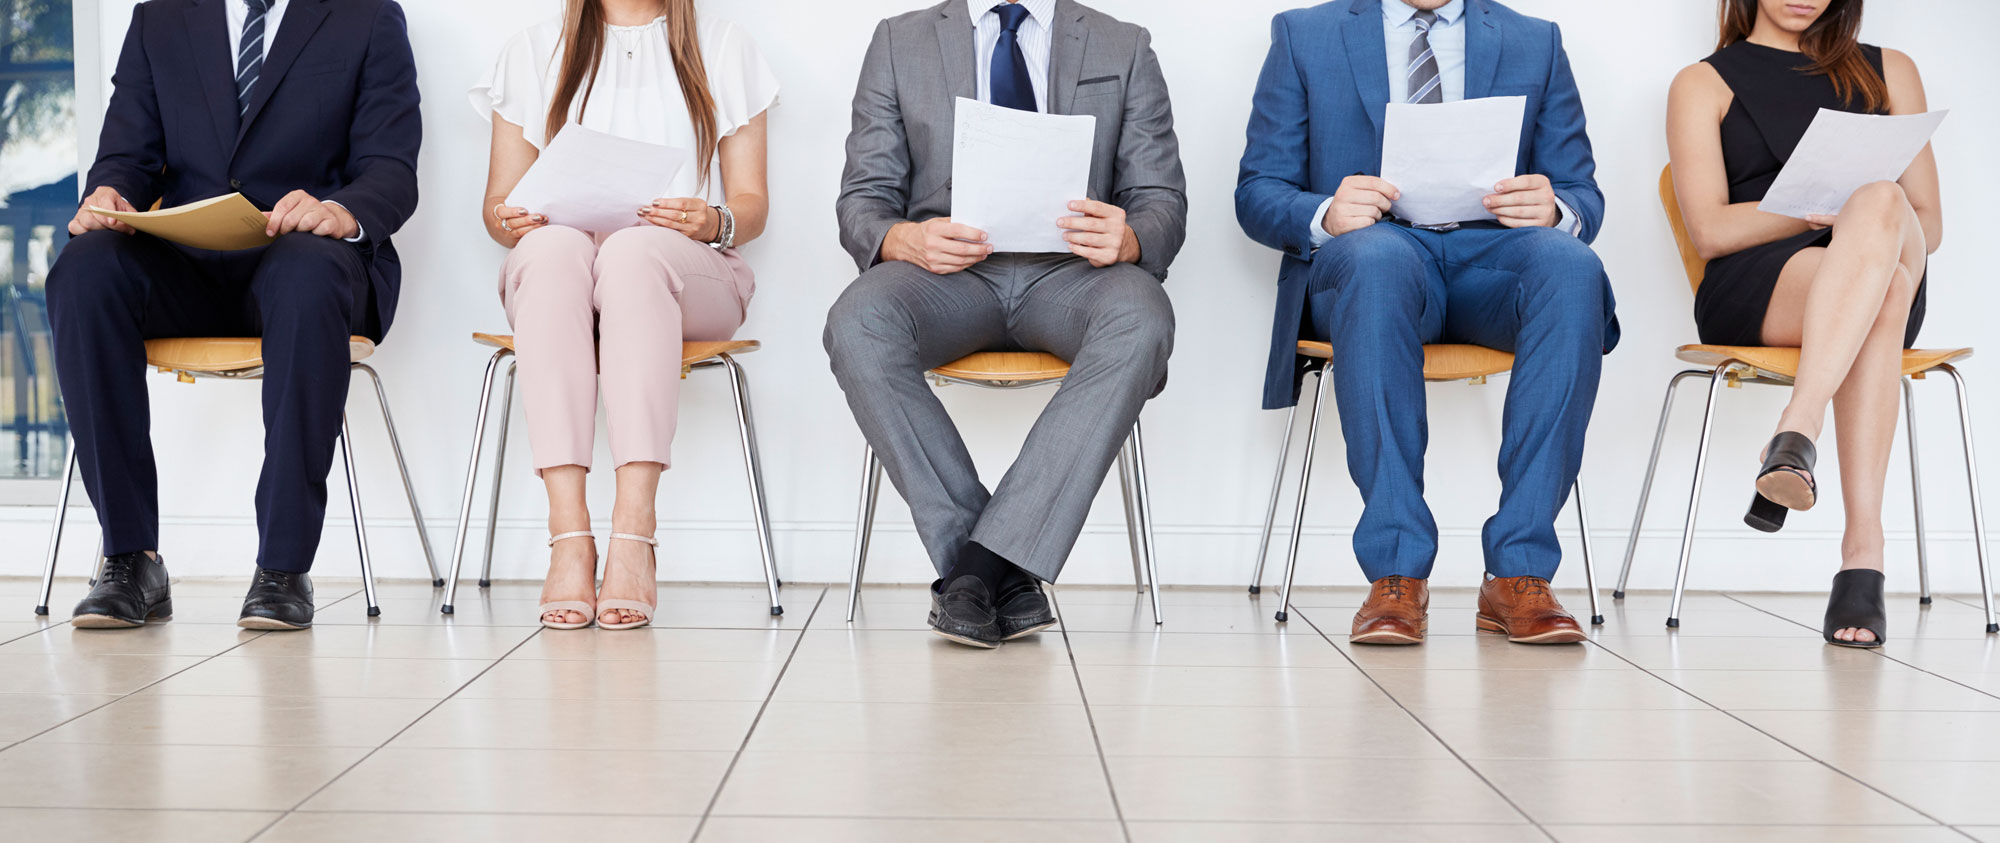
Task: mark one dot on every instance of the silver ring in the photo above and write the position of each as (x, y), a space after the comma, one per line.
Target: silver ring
(496, 212)
(505, 227)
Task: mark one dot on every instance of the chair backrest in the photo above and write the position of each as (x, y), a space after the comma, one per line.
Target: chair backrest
(1691, 260)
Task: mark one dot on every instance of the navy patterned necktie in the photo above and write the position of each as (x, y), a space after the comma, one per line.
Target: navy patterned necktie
(250, 54)
(1009, 85)
(1425, 84)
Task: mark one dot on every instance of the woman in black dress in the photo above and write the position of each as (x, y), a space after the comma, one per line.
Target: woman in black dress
(1846, 289)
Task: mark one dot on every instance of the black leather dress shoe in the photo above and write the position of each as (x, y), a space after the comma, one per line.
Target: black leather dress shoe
(1022, 609)
(278, 600)
(963, 612)
(130, 591)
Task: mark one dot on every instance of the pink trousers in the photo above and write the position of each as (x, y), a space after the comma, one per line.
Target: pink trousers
(613, 307)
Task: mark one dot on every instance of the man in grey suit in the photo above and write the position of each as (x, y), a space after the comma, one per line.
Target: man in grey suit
(932, 291)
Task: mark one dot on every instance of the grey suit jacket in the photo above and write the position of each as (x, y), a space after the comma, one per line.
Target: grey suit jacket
(899, 151)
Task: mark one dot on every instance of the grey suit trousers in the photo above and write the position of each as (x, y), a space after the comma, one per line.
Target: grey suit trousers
(1114, 325)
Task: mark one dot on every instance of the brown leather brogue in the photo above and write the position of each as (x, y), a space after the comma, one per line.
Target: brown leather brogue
(1525, 610)
(1397, 612)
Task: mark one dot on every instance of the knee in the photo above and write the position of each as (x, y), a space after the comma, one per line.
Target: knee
(1370, 268)
(314, 273)
(864, 314)
(1140, 317)
(551, 244)
(91, 271)
(1563, 268)
(1876, 205)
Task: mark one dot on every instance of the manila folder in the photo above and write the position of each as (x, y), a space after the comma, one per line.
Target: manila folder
(223, 224)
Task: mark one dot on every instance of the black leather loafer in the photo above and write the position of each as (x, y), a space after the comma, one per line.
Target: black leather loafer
(278, 600)
(1023, 609)
(131, 590)
(963, 612)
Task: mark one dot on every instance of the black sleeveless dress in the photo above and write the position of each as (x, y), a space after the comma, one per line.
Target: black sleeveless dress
(1776, 99)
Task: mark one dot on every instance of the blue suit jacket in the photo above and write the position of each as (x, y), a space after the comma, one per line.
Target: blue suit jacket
(1317, 119)
(334, 114)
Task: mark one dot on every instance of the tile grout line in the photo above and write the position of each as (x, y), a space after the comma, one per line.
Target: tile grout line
(1426, 726)
(1879, 651)
(1110, 786)
(399, 733)
(1759, 730)
(94, 709)
(715, 797)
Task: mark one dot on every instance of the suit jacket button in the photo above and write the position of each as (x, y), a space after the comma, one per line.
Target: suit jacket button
(235, 185)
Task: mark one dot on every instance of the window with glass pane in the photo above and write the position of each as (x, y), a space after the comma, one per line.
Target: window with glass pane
(38, 195)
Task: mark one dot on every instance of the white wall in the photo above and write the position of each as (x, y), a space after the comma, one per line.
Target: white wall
(1212, 450)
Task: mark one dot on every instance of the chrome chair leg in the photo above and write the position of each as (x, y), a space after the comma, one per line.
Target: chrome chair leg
(409, 488)
(471, 478)
(1694, 496)
(1143, 501)
(55, 533)
(746, 427)
(864, 524)
(1131, 516)
(1917, 492)
(1646, 487)
(499, 475)
(1305, 486)
(1972, 486)
(99, 570)
(1589, 567)
(1271, 509)
(360, 523)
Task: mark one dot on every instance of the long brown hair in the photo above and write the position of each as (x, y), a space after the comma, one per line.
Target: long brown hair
(583, 49)
(1833, 44)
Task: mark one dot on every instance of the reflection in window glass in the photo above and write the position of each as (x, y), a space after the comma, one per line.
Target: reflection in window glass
(38, 195)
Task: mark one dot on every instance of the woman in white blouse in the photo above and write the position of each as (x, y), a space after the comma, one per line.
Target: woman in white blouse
(617, 305)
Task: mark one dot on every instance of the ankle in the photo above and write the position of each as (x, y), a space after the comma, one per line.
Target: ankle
(1806, 424)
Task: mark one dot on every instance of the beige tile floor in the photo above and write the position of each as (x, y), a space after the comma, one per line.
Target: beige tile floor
(723, 724)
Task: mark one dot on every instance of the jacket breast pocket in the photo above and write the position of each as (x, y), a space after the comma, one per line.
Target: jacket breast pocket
(1099, 86)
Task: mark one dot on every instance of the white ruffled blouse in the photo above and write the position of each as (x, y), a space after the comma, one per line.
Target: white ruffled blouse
(638, 94)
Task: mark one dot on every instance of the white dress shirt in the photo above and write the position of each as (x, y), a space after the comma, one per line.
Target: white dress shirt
(1399, 31)
(1035, 37)
(237, 13)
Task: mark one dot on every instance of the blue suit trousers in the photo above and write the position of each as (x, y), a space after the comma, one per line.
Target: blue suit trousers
(1380, 294)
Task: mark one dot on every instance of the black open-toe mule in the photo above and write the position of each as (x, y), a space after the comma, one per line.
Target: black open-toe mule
(1856, 603)
(1785, 482)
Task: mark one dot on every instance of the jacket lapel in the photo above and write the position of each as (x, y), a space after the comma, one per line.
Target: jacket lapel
(302, 19)
(956, 50)
(1482, 50)
(1070, 40)
(209, 47)
(1368, 58)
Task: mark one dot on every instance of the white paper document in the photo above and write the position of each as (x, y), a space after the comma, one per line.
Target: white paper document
(596, 182)
(1446, 157)
(1843, 151)
(1013, 173)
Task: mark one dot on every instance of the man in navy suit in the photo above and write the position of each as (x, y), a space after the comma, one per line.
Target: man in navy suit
(307, 108)
(1379, 288)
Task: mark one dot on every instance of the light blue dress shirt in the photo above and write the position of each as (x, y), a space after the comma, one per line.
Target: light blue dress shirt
(1399, 30)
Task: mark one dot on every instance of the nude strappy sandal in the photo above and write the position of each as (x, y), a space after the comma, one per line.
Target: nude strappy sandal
(645, 610)
(588, 611)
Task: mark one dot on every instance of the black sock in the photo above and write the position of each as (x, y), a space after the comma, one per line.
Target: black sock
(976, 561)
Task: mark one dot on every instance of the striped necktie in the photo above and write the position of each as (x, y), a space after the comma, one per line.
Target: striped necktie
(1425, 86)
(250, 54)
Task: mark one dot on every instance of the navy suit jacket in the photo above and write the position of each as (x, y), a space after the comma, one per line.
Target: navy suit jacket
(1317, 118)
(334, 114)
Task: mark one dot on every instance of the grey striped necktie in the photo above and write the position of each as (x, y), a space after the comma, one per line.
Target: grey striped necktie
(250, 54)
(1425, 86)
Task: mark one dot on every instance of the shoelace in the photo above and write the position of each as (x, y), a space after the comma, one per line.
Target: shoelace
(280, 579)
(121, 569)
(1395, 586)
(1531, 586)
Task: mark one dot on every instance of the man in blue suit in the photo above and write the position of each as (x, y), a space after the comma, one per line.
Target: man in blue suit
(1379, 288)
(307, 108)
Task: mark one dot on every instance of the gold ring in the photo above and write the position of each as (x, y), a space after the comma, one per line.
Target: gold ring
(684, 216)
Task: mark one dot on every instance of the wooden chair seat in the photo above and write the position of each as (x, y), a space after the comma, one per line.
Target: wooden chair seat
(691, 352)
(1784, 362)
(222, 355)
(1010, 367)
(1443, 362)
